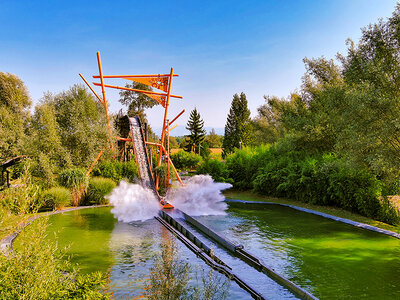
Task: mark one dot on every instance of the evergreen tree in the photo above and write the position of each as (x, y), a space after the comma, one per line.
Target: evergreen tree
(238, 125)
(197, 133)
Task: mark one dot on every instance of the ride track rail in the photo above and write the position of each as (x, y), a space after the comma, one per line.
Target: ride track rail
(194, 243)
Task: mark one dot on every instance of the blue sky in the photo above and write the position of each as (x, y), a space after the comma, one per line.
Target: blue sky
(218, 48)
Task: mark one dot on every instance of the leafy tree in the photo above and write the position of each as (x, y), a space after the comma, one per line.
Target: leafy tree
(173, 143)
(137, 102)
(371, 72)
(197, 133)
(81, 126)
(213, 139)
(14, 115)
(238, 125)
(267, 127)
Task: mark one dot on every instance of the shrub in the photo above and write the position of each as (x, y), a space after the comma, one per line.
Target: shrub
(38, 269)
(75, 179)
(308, 177)
(185, 160)
(244, 164)
(98, 188)
(216, 169)
(56, 198)
(22, 198)
(388, 213)
(117, 170)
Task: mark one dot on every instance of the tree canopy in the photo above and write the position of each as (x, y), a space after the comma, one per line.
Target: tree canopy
(14, 115)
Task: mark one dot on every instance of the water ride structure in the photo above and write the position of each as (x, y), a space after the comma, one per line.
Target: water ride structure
(187, 229)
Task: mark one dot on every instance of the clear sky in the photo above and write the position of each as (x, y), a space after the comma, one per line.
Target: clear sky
(218, 48)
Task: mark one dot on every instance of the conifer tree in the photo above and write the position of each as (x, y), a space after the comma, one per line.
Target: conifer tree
(197, 133)
(238, 125)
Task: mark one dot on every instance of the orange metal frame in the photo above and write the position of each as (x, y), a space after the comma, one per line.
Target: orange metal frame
(162, 82)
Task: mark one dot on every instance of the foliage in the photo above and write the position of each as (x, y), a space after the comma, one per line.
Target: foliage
(185, 160)
(77, 180)
(388, 212)
(213, 139)
(173, 143)
(243, 165)
(98, 188)
(238, 125)
(311, 178)
(56, 198)
(73, 178)
(14, 115)
(117, 170)
(37, 269)
(216, 169)
(45, 143)
(266, 125)
(22, 198)
(195, 125)
(137, 102)
(81, 127)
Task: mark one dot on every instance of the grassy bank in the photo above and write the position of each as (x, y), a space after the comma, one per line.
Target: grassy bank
(250, 196)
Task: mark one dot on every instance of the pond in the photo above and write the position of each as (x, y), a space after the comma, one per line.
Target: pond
(330, 259)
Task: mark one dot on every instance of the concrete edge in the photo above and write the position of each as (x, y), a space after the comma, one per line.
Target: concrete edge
(324, 215)
(7, 242)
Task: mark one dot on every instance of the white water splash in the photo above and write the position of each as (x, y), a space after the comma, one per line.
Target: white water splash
(132, 202)
(200, 196)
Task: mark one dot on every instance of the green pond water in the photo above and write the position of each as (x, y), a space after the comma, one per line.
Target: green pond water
(330, 259)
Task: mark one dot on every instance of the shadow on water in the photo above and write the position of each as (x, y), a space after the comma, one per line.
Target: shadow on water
(330, 259)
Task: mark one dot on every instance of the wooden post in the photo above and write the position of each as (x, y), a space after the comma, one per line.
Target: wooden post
(8, 178)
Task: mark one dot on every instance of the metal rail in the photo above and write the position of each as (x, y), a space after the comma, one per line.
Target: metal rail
(204, 252)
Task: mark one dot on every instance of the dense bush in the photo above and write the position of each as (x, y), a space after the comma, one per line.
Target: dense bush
(73, 178)
(244, 164)
(216, 169)
(77, 180)
(117, 170)
(98, 188)
(185, 160)
(310, 177)
(56, 198)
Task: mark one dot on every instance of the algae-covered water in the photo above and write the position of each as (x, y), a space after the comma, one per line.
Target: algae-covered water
(97, 242)
(330, 259)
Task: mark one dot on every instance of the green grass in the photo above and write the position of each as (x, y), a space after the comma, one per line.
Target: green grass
(250, 196)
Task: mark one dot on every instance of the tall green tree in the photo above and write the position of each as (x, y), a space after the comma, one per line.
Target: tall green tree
(195, 125)
(372, 76)
(14, 115)
(238, 125)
